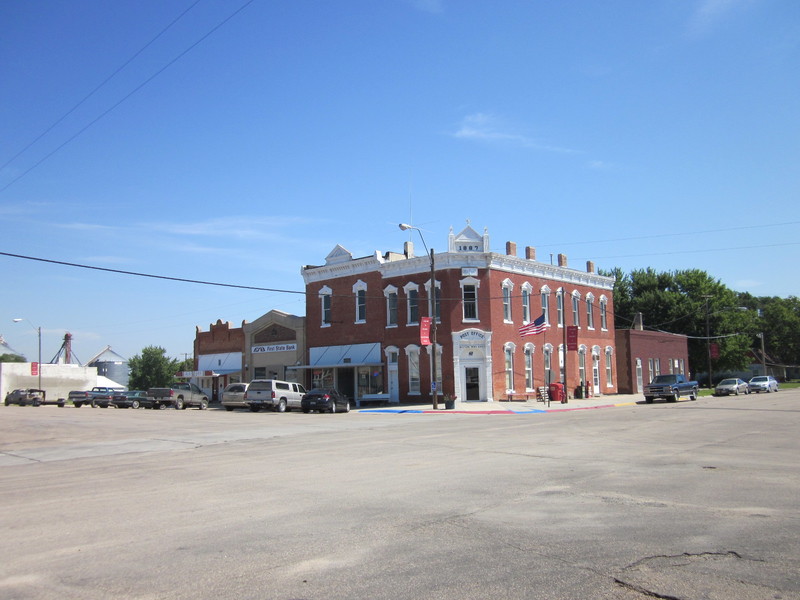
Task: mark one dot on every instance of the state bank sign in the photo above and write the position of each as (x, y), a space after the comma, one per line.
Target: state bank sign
(275, 348)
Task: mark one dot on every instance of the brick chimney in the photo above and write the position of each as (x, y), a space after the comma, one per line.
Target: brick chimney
(511, 248)
(530, 252)
(562, 260)
(589, 266)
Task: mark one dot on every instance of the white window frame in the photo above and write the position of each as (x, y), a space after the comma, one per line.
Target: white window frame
(508, 288)
(408, 288)
(545, 291)
(412, 361)
(360, 291)
(508, 354)
(603, 313)
(547, 353)
(389, 292)
(560, 306)
(609, 366)
(582, 365)
(526, 289)
(437, 299)
(469, 281)
(325, 302)
(530, 349)
(590, 311)
(576, 308)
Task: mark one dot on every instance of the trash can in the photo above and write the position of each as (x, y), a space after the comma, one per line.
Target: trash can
(557, 393)
(579, 392)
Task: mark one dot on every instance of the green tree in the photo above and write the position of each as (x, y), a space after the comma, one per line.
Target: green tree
(186, 365)
(152, 369)
(12, 358)
(687, 302)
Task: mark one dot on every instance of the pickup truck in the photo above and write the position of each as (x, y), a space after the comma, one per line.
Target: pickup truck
(179, 395)
(97, 396)
(670, 387)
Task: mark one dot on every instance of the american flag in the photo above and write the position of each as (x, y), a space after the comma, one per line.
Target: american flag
(535, 328)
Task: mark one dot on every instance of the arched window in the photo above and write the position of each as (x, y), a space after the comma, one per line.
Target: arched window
(509, 364)
(529, 351)
(508, 287)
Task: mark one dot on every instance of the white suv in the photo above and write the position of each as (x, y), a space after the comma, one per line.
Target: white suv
(274, 394)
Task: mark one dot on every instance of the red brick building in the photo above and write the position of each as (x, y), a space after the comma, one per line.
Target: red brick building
(364, 316)
(218, 357)
(641, 355)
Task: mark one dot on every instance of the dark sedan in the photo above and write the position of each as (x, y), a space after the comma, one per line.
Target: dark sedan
(325, 400)
(131, 399)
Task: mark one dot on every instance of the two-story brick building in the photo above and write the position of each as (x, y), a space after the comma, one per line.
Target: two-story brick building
(364, 316)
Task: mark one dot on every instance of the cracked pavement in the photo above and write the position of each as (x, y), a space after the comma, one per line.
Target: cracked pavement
(692, 501)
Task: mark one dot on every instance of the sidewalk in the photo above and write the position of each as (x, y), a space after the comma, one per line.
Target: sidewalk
(510, 408)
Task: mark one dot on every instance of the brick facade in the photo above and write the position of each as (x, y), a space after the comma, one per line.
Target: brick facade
(641, 355)
(473, 347)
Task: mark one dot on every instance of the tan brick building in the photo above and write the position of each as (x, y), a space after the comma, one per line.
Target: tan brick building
(364, 316)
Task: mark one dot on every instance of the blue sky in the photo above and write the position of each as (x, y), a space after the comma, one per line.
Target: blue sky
(251, 137)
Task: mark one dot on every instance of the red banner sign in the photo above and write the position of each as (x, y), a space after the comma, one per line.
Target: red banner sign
(425, 331)
(714, 350)
(34, 368)
(572, 338)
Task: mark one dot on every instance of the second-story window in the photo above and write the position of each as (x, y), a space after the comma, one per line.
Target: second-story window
(603, 314)
(526, 303)
(412, 304)
(469, 298)
(325, 305)
(546, 304)
(590, 311)
(507, 288)
(576, 307)
(391, 307)
(360, 290)
(560, 307)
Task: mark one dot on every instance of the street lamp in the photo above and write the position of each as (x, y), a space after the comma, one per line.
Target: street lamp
(39, 332)
(431, 313)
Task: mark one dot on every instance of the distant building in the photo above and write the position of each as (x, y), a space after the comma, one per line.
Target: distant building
(641, 355)
(274, 345)
(111, 365)
(365, 327)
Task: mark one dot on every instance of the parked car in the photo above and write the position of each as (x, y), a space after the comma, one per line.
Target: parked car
(131, 399)
(325, 400)
(273, 394)
(763, 383)
(97, 396)
(233, 396)
(179, 395)
(726, 387)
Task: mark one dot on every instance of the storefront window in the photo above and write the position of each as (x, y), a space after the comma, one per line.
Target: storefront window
(370, 380)
(322, 378)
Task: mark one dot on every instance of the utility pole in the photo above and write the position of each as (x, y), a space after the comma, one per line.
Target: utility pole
(708, 341)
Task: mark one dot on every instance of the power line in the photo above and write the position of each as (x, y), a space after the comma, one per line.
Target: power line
(128, 95)
(150, 275)
(97, 88)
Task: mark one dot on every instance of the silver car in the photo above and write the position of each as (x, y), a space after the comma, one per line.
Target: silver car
(726, 387)
(763, 383)
(233, 396)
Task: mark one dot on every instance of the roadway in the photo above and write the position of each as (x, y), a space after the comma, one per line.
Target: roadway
(688, 500)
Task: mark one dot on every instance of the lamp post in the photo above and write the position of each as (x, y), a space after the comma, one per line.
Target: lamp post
(39, 364)
(431, 313)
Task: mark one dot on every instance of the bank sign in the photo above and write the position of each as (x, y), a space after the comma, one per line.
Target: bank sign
(292, 347)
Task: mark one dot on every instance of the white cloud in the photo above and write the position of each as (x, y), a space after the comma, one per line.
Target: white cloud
(487, 128)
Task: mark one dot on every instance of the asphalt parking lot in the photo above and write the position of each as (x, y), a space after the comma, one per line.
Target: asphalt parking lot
(687, 500)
